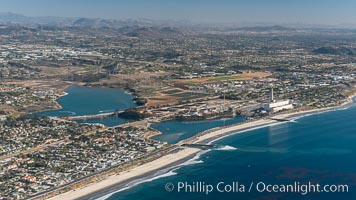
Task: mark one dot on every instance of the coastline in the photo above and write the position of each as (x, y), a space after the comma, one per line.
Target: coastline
(118, 181)
(129, 175)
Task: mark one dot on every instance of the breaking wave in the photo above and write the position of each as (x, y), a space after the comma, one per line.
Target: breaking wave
(226, 148)
(159, 174)
(69, 112)
(105, 111)
(137, 182)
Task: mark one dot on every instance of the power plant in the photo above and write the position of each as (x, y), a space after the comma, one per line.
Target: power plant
(276, 106)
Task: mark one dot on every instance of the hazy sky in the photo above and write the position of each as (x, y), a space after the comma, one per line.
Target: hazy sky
(235, 11)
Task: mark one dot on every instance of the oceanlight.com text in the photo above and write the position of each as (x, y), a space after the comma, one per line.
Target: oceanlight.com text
(261, 187)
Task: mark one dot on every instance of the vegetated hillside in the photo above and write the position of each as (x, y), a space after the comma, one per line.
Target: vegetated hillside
(153, 32)
(335, 51)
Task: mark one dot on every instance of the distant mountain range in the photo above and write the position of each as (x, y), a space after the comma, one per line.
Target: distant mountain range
(263, 28)
(14, 23)
(134, 27)
(12, 18)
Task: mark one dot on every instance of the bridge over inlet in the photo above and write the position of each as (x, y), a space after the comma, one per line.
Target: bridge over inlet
(95, 116)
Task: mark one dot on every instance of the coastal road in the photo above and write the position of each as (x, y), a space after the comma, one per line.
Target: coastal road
(102, 115)
(34, 149)
(93, 177)
(44, 146)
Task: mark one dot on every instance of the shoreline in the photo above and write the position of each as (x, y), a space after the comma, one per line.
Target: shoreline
(111, 183)
(163, 171)
(57, 105)
(64, 93)
(114, 183)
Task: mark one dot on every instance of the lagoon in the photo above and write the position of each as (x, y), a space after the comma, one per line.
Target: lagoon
(81, 100)
(175, 131)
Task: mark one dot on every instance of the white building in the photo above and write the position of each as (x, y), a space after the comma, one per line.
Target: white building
(275, 106)
(2, 117)
(278, 106)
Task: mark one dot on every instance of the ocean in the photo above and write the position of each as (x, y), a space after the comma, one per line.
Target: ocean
(312, 149)
(318, 148)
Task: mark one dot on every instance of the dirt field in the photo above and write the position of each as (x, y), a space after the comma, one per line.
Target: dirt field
(54, 71)
(236, 77)
(172, 95)
(59, 85)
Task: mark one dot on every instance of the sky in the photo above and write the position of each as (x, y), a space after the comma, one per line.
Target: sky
(328, 12)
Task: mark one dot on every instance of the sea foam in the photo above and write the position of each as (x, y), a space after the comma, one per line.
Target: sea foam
(137, 182)
(159, 174)
(105, 111)
(70, 112)
(226, 148)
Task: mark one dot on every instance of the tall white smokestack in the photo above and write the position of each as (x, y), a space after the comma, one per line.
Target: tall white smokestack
(272, 100)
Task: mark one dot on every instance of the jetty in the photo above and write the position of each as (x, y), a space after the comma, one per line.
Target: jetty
(199, 146)
(281, 119)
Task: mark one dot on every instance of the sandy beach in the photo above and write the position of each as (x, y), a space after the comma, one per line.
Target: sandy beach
(160, 162)
(167, 160)
(148, 167)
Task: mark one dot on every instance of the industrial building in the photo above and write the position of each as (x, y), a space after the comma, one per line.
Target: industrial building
(276, 106)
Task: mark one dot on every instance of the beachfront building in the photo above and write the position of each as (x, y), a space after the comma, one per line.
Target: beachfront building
(276, 106)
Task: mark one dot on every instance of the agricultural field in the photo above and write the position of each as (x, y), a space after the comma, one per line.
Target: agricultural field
(173, 95)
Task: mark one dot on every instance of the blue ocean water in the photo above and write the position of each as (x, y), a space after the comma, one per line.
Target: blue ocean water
(319, 149)
(86, 100)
